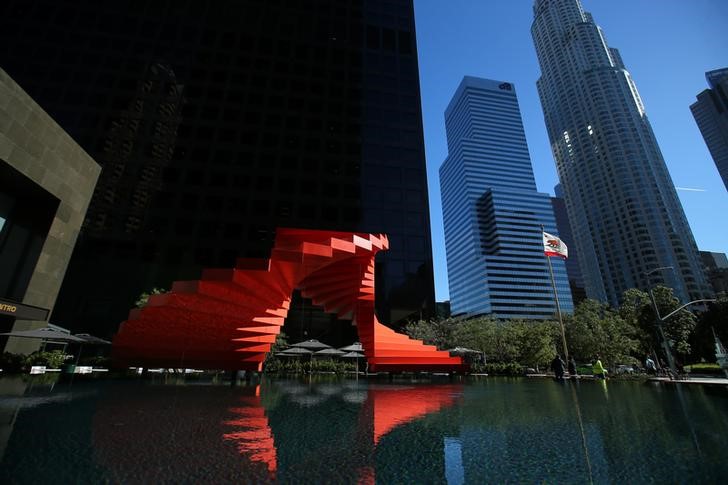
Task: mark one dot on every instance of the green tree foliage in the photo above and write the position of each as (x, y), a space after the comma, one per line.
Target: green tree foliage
(434, 332)
(280, 344)
(637, 307)
(537, 342)
(526, 342)
(715, 319)
(53, 359)
(144, 297)
(595, 329)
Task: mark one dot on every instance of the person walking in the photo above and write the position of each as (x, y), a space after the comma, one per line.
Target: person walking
(557, 365)
(598, 369)
(572, 368)
(650, 366)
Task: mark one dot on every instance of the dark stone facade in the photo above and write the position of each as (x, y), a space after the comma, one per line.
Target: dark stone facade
(46, 185)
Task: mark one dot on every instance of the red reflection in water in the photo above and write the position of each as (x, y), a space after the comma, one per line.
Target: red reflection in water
(190, 436)
(183, 435)
(255, 440)
(395, 407)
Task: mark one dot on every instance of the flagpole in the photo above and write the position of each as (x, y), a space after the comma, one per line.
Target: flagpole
(556, 299)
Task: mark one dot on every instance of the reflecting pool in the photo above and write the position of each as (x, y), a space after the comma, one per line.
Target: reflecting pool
(491, 430)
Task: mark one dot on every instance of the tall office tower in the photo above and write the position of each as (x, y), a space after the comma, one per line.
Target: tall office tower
(711, 114)
(217, 122)
(573, 270)
(492, 211)
(716, 270)
(622, 205)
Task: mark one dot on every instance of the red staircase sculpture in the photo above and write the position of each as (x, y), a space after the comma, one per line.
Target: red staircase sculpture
(230, 317)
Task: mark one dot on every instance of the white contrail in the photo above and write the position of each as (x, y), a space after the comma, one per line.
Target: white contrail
(689, 189)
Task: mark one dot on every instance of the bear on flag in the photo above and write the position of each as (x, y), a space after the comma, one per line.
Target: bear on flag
(553, 246)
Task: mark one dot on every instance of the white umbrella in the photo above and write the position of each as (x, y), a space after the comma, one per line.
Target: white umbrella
(463, 351)
(355, 347)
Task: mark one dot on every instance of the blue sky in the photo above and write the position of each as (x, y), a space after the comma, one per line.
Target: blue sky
(667, 46)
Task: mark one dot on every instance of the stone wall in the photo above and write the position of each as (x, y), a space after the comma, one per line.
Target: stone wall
(36, 146)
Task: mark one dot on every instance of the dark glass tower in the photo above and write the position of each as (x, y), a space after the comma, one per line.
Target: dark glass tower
(622, 205)
(216, 122)
(711, 114)
(576, 280)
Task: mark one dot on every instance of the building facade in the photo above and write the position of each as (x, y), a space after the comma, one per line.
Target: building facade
(492, 211)
(573, 270)
(711, 114)
(46, 182)
(622, 205)
(716, 270)
(217, 123)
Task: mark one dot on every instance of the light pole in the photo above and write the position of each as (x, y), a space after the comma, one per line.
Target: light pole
(660, 320)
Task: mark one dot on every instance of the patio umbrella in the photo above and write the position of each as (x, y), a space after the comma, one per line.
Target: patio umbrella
(46, 334)
(312, 344)
(329, 352)
(463, 351)
(91, 340)
(294, 352)
(355, 347)
(353, 355)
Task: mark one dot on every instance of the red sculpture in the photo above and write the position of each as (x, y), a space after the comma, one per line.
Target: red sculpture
(230, 317)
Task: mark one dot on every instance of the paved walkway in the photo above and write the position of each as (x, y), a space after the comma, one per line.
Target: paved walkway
(711, 381)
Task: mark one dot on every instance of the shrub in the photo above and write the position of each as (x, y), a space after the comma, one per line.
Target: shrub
(499, 369)
(10, 362)
(704, 368)
(96, 361)
(53, 360)
(298, 366)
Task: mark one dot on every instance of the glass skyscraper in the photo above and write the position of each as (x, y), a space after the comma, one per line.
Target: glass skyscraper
(624, 210)
(492, 211)
(711, 114)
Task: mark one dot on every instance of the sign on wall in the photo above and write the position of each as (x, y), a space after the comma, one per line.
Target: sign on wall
(22, 312)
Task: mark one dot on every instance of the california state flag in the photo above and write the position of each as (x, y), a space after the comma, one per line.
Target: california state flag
(553, 246)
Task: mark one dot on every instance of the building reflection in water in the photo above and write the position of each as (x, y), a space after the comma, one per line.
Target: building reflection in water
(281, 429)
(253, 436)
(494, 430)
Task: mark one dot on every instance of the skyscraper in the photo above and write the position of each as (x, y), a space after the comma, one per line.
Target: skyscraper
(576, 281)
(217, 122)
(711, 114)
(492, 211)
(624, 211)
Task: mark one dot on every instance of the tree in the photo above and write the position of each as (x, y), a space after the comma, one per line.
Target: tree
(595, 329)
(477, 334)
(702, 343)
(280, 344)
(144, 297)
(434, 332)
(537, 341)
(637, 306)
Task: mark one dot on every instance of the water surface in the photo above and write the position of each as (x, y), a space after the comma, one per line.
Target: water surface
(492, 430)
